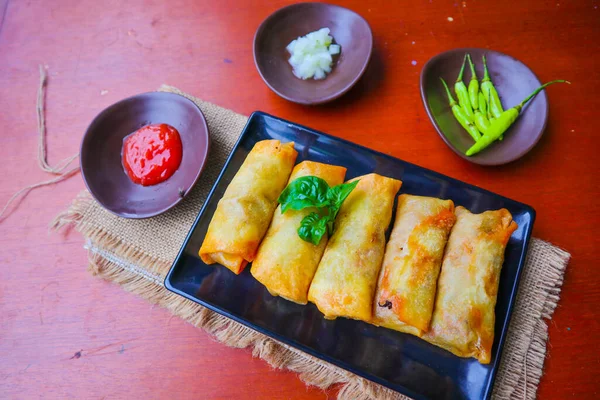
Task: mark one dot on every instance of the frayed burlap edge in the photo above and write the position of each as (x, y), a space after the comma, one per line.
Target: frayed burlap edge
(532, 333)
(134, 277)
(123, 264)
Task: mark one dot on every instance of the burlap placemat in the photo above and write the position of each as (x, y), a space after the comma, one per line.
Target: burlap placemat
(137, 254)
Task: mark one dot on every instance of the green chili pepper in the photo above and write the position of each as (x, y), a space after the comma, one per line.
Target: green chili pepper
(504, 121)
(489, 112)
(490, 117)
(473, 86)
(482, 104)
(462, 93)
(460, 115)
(481, 122)
(490, 93)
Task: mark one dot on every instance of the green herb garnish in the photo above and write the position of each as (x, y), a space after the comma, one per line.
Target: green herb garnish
(312, 191)
(307, 191)
(312, 228)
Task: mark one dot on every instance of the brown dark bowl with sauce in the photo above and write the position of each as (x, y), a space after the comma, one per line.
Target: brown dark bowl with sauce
(102, 167)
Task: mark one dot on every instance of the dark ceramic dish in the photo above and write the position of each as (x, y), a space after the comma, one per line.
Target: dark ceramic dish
(513, 80)
(399, 361)
(102, 143)
(348, 29)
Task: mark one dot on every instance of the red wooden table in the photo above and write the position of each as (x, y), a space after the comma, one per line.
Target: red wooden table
(100, 52)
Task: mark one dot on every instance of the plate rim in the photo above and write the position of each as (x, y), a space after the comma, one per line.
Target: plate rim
(290, 342)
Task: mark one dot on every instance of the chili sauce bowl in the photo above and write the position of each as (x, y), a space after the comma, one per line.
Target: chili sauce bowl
(101, 162)
(348, 29)
(513, 80)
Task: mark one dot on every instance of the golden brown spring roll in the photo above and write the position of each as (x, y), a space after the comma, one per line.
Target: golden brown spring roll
(411, 265)
(245, 211)
(285, 263)
(345, 281)
(464, 314)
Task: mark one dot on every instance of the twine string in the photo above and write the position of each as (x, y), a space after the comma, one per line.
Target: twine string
(60, 169)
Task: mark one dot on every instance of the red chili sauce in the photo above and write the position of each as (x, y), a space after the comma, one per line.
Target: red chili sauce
(152, 154)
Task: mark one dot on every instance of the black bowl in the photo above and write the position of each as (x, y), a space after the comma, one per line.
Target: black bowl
(101, 164)
(513, 81)
(348, 29)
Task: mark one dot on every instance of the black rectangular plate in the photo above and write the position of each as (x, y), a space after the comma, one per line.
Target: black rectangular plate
(399, 361)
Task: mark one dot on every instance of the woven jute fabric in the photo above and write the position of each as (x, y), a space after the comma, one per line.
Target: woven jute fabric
(137, 255)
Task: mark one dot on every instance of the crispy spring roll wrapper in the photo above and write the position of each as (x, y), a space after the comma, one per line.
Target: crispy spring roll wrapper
(345, 281)
(411, 265)
(285, 263)
(245, 211)
(464, 314)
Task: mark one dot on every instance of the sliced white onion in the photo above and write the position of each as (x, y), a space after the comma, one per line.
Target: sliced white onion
(290, 47)
(311, 55)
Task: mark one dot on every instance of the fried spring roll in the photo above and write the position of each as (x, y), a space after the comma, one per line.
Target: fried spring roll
(464, 314)
(285, 263)
(345, 281)
(245, 211)
(411, 266)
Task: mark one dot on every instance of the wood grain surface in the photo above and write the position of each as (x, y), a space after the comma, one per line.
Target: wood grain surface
(64, 334)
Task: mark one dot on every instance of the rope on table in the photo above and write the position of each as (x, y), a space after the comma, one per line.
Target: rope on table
(60, 169)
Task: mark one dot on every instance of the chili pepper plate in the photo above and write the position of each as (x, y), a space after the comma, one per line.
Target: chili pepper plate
(399, 361)
(513, 80)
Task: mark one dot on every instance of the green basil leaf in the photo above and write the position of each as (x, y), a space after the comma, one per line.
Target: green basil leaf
(336, 196)
(306, 191)
(313, 227)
